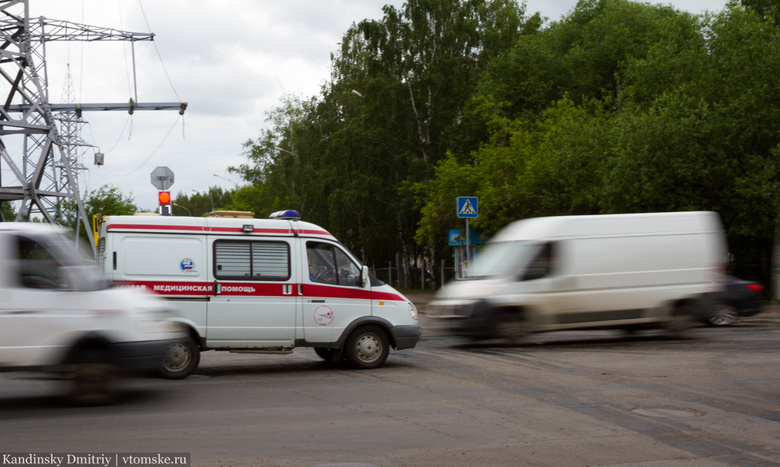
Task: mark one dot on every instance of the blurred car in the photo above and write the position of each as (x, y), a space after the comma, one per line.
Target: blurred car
(740, 298)
(58, 315)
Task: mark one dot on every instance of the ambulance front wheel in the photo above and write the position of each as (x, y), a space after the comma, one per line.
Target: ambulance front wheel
(180, 359)
(367, 347)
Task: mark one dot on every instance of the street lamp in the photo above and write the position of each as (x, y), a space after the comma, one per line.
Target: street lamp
(180, 206)
(288, 152)
(223, 178)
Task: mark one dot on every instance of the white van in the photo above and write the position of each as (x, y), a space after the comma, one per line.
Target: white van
(57, 314)
(258, 285)
(577, 272)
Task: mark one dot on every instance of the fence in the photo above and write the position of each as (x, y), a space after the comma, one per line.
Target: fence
(414, 277)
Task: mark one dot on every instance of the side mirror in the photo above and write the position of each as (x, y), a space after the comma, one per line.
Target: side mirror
(364, 279)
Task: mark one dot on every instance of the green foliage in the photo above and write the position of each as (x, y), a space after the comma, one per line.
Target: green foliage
(348, 159)
(620, 106)
(628, 107)
(107, 200)
(9, 213)
(199, 204)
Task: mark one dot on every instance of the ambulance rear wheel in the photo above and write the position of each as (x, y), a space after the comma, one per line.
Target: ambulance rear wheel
(367, 347)
(180, 359)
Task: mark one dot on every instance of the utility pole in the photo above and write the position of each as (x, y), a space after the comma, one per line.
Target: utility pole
(46, 171)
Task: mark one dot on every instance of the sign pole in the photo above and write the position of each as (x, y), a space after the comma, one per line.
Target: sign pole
(467, 208)
(468, 250)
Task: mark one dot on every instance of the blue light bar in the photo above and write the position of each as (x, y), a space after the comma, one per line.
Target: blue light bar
(291, 214)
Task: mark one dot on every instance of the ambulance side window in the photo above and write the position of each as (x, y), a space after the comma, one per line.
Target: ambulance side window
(329, 264)
(251, 260)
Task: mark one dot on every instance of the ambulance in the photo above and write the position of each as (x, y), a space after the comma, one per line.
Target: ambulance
(258, 286)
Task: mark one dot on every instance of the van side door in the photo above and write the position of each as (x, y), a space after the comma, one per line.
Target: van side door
(254, 304)
(331, 291)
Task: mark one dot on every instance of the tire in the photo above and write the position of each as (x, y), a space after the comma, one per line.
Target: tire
(180, 359)
(510, 326)
(682, 320)
(722, 314)
(367, 347)
(94, 378)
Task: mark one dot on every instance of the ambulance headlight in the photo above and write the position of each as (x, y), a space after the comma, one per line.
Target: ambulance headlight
(412, 310)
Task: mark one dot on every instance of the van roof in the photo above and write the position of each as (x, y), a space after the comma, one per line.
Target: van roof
(212, 225)
(32, 227)
(609, 224)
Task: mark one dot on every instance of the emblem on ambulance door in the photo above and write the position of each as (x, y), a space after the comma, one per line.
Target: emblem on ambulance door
(187, 265)
(323, 315)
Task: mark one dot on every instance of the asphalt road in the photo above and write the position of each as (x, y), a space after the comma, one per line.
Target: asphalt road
(576, 399)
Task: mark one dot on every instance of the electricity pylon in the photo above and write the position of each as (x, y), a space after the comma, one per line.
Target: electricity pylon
(42, 171)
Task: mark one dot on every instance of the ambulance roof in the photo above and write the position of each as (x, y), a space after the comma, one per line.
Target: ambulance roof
(213, 226)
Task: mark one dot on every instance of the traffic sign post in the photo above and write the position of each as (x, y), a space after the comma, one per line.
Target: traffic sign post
(162, 179)
(467, 208)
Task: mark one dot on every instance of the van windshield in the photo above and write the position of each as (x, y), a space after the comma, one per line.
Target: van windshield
(503, 259)
(51, 261)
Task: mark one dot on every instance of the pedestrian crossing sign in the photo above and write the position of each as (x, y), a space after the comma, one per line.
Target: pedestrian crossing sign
(468, 207)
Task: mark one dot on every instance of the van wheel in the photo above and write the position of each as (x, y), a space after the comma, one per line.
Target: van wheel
(94, 378)
(180, 359)
(367, 347)
(681, 321)
(511, 325)
(722, 314)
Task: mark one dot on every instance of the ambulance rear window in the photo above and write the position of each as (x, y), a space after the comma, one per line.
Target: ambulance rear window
(251, 260)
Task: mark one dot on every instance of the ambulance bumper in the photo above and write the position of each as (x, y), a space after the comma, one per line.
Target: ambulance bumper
(406, 337)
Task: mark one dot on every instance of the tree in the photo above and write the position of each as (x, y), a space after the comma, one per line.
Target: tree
(105, 201)
(199, 204)
(391, 110)
(684, 119)
(8, 212)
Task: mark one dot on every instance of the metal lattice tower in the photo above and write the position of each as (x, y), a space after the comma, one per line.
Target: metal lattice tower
(38, 161)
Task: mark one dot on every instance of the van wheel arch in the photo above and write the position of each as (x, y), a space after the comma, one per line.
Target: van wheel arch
(93, 371)
(88, 343)
(384, 324)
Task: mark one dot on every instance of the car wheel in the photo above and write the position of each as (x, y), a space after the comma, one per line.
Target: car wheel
(94, 378)
(722, 314)
(511, 326)
(180, 359)
(367, 347)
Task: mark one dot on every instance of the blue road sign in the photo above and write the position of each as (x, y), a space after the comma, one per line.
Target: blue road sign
(468, 207)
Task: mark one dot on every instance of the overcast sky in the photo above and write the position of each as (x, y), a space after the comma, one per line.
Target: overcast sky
(231, 61)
